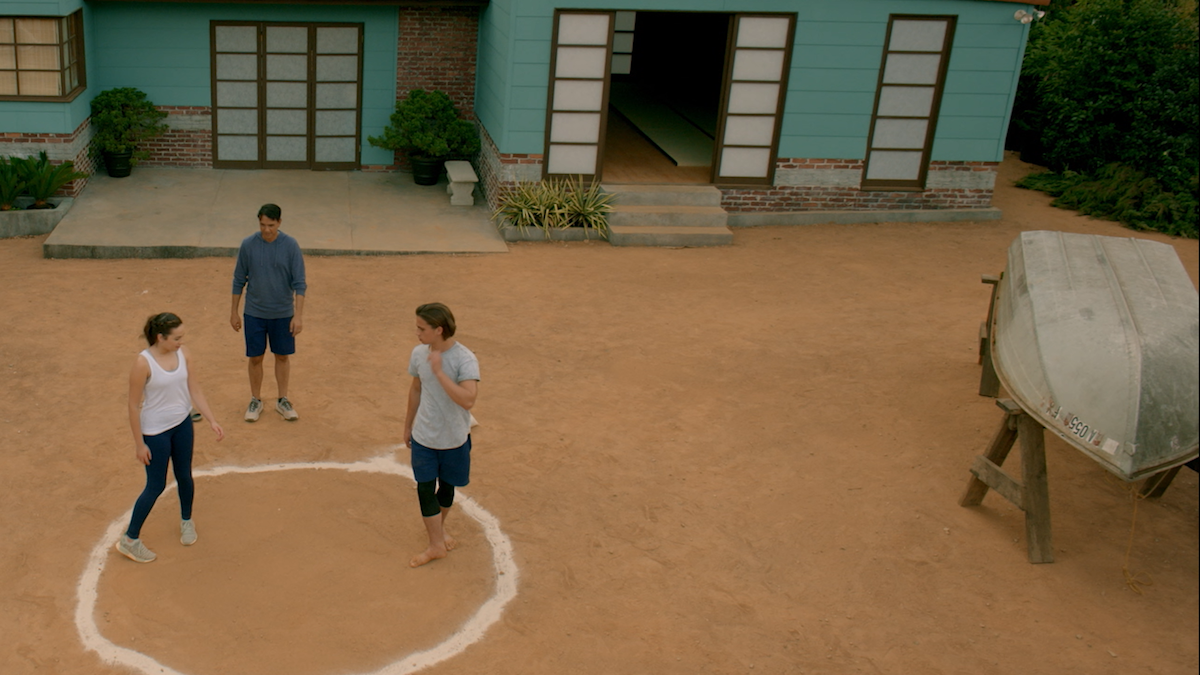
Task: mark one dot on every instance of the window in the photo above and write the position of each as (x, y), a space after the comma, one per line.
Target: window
(911, 78)
(41, 58)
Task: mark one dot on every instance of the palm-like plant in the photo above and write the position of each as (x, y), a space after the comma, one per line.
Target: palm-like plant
(43, 179)
(11, 185)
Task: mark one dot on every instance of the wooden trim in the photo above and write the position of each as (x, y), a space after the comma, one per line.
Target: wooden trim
(731, 28)
(310, 109)
(312, 137)
(72, 21)
(81, 57)
(939, 86)
(723, 114)
(605, 83)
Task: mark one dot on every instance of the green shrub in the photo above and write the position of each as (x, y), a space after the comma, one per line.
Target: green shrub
(1124, 194)
(11, 185)
(122, 118)
(1113, 82)
(43, 179)
(426, 125)
(555, 204)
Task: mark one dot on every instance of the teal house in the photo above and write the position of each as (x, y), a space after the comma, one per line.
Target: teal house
(785, 106)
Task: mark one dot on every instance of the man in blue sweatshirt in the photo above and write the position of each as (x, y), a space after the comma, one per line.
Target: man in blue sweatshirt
(270, 263)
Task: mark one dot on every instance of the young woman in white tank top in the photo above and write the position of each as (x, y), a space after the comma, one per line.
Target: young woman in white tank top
(162, 391)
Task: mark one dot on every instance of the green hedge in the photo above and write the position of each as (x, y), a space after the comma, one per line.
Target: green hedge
(1110, 102)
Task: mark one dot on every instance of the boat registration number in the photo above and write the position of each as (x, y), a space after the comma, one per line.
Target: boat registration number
(1077, 427)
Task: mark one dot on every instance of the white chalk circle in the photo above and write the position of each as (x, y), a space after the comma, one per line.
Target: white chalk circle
(470, 632)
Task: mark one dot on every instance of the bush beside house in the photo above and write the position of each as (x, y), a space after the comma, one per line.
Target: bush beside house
(1110, 102)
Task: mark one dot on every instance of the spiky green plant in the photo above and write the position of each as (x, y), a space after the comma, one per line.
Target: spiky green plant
(12, 185)
(588, 206)
(43, 179)
(555, 204)
(538, 205)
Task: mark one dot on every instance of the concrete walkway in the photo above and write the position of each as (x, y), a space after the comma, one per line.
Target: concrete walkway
(190, 213)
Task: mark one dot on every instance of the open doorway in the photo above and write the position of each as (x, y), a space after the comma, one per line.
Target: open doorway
(664, 97)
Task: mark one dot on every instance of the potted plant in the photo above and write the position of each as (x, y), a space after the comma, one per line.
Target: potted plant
(122, 118)
(427, 128)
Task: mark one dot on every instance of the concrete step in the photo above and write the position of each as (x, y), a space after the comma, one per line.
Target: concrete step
(662, 195)
(669, 216)
(669, 235)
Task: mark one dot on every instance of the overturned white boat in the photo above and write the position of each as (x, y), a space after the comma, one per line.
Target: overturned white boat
(1097, 338)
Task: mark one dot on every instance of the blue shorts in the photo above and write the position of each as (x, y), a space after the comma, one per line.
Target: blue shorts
(452, 467)
(259, 330)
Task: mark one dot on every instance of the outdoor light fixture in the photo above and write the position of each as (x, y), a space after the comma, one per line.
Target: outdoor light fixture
(1026, 17)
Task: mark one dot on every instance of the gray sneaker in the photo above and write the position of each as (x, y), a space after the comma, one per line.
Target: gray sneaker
(188, 530)
(253, 410)
(134, 549)
(284, 407)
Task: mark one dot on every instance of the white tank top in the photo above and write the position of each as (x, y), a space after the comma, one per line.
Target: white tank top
(165, 401)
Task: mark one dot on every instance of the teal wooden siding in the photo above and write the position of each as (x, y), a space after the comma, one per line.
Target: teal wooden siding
(28, 117)
(163, 49)
(834, 72)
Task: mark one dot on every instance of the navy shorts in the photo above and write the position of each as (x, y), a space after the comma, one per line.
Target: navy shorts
(452, 467)
(258, 331)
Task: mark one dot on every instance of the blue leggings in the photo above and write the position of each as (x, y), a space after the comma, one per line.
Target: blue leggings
(174, 445)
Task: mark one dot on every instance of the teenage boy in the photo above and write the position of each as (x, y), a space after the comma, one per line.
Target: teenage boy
(270, 264)
(437, 424)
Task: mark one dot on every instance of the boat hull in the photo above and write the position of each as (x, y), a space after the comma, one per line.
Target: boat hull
(1099, 339)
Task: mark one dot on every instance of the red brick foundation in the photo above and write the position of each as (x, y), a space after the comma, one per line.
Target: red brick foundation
(498, 172)
(189, 141)
(501, 171)
(60, 148)
(777, 198)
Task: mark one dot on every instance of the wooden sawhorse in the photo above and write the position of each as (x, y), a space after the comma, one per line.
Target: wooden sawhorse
(1032, 494)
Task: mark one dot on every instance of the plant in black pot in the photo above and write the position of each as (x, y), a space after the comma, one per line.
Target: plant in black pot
(122, 118)
(427, 128)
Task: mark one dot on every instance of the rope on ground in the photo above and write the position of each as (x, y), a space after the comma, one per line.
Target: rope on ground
(1134, 580)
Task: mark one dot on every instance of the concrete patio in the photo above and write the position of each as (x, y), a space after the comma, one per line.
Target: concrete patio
(191, 213)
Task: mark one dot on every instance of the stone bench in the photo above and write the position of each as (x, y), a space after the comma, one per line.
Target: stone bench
(462, 183)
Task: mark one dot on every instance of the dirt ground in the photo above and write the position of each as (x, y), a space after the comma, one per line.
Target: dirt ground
(731, 460)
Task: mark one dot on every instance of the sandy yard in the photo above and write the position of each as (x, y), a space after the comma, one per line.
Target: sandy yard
(731, 460)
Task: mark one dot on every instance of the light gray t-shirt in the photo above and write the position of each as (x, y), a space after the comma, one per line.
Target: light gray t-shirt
(441, 423)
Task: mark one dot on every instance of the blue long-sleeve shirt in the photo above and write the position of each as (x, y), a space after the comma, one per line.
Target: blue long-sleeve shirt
(273, 271)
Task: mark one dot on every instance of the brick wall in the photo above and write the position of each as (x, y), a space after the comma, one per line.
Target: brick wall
(437, 52)
(187, 143)
(501, 171)
(73, 147)
(804, 184)
(801, 184)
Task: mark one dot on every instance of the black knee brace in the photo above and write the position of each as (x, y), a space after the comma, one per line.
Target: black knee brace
(428, 498)
(445, 495)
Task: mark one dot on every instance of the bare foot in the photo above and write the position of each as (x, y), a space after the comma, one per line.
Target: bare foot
(451, 542)
(430, 553)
